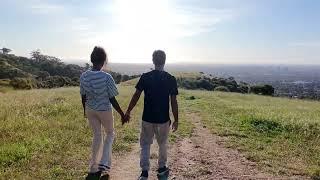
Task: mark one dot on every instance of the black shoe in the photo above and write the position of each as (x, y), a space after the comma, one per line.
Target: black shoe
(104, 172)
(105, 177)
(163, 173)
(144, 175)
(93, 176)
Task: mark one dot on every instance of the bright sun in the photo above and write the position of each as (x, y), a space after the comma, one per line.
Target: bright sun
(141, 27)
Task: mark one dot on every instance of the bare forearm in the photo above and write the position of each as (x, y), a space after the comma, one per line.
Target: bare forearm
(175, 109)
(116, 106)
(135, 98)
(83, 100)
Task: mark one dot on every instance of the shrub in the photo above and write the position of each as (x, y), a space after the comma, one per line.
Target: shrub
(23, 83)
(42, 75)
(205, 84)
(243, 88)
(222, 88)
(267, 90)
(125, 78)
(5, 82)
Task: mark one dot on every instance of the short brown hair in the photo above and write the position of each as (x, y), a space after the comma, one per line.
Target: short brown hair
(159, 57)
(98, 55)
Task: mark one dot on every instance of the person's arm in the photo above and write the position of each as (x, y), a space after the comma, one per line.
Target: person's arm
(175, 112)
(135, 98)
(117, 107)
(84, 99)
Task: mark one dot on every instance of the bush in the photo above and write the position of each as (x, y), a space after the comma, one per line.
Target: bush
(55, 81)
(42, 75)
(5, 82)
(266, 90)
(222, 89)
(205, 84)
(125, 78)
(10, 72)
(23, 83)
(243, 88)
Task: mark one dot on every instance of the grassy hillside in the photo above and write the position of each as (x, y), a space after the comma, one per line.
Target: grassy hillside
(43, 133)
(282, 135)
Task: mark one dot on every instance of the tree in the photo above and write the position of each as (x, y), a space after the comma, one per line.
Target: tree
(6, 50)
(125, 78)
(22, 83)
(87, 66)
(36, 55)
(266, 90)
(43, 75)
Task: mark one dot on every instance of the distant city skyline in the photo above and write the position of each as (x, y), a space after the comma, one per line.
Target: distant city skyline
(190, 31)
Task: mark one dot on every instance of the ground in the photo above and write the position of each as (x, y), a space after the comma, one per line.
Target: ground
(201, 156)
(44, 135)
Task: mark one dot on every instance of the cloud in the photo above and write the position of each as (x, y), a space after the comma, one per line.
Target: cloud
(165, 17)
(42, 7)
(133, 28)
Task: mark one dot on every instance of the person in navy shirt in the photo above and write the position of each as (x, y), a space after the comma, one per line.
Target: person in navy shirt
(160, 89)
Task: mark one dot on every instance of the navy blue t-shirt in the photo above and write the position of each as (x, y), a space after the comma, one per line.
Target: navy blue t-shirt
(158, 86)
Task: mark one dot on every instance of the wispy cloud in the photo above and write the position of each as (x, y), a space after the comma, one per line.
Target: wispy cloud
(142, 25)
(165, 17)
(43, 7)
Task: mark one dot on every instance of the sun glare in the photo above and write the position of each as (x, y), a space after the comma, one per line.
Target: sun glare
(142, 26)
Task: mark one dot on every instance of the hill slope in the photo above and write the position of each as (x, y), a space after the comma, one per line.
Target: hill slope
(44, 132)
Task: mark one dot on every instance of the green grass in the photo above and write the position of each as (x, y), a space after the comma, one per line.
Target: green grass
(43, 133)
(282, 135)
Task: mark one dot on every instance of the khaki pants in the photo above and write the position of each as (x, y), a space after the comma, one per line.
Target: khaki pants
(161, 132)
(101, 123)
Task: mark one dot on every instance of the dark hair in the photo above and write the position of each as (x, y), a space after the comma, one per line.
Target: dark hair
(98, 55)
(159, 57)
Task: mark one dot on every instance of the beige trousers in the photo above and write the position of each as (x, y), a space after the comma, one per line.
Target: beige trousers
(102, 125)
(148, 131)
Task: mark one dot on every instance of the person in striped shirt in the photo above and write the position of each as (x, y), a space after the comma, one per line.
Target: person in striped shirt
(98, 91)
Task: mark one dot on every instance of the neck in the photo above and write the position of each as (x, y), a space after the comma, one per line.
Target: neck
(95, 68)
(159, 68)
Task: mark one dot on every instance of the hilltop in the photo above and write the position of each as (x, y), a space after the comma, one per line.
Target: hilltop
(43, 71)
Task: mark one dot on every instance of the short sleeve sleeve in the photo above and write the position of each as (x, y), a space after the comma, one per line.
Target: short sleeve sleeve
(140, 85)
(174, 87)
(112, 88)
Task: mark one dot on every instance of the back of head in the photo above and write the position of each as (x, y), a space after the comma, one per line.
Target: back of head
(98, 56)
(159, 58)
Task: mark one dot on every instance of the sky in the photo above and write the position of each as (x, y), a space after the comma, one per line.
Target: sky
(189, 31)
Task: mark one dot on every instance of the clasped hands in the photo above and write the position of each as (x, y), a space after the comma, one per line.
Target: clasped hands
(125, 118)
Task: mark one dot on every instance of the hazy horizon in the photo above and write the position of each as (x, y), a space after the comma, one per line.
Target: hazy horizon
(190, 31)
(82, 62)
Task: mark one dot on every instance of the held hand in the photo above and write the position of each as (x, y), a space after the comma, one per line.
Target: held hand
(127, 117)
(175, 125)
(123, 119)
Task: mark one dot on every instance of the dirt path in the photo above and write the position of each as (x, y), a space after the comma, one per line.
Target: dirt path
(200, 157)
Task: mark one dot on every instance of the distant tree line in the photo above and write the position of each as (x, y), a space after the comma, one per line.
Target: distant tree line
(210, 83)
(43, 71)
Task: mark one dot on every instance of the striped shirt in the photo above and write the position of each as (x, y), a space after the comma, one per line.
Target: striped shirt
(98, 86)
